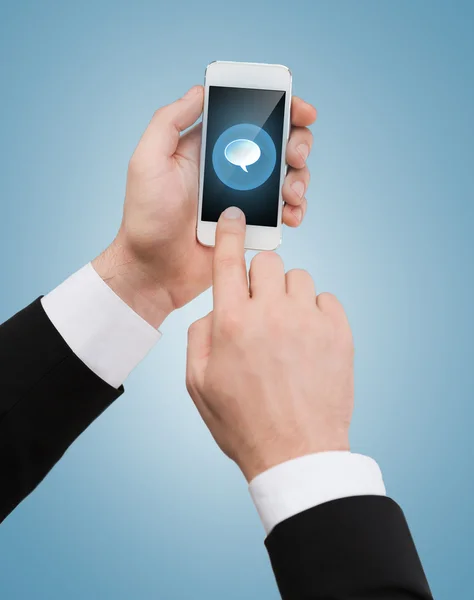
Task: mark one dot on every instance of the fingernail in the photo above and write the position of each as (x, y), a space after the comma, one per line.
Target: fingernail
(297, 212)
(232, 213)
(191, 92)
(298, 188)
(303, 151)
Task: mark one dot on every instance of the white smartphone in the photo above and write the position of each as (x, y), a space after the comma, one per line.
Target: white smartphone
(245, 128)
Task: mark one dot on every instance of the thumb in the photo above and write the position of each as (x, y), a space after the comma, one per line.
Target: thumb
(162, 134)
(199, 348)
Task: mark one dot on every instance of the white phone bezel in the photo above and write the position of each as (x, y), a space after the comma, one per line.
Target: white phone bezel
(253, 76)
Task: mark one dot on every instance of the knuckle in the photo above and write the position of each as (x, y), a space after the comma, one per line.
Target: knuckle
(228, 261)
(190, 380)
(276, 319)
(328, 301)
(192, 331)
(301, 281)
(158, 113)
(230, 323)
(265, 260)
(133, 163)
(161, 115)
(300, 274)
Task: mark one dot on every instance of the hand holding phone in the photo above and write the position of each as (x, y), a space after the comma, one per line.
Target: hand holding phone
(155, 263)
(246, 124)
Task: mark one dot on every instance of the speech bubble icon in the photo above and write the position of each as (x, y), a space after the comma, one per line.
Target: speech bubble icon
(242, 153)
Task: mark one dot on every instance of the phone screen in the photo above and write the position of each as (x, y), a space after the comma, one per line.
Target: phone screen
(243, 153)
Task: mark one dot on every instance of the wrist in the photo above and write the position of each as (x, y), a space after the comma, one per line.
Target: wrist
(258, 463)
(125, 276)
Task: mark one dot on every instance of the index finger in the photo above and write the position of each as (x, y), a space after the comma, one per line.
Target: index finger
(230, 285)
(302, 113)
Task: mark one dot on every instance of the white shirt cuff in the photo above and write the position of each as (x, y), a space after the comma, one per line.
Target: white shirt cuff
(305, 482)
(98, 326)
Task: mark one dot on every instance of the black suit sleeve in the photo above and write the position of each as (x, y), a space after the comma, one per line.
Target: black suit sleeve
(357, 548)
(48, 397)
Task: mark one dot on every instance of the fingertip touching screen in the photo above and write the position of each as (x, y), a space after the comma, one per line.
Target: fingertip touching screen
(243, 153)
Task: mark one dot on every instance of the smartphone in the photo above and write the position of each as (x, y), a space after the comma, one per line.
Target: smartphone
(245, 128)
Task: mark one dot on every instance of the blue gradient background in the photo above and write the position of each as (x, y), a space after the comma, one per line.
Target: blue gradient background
(144, 505)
